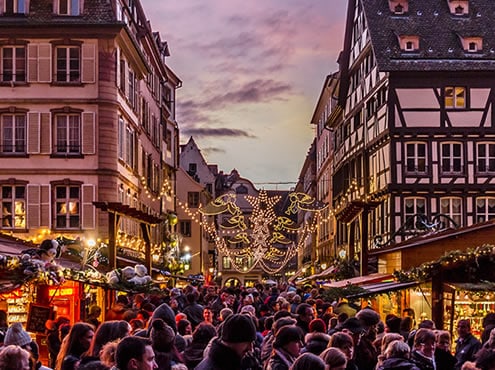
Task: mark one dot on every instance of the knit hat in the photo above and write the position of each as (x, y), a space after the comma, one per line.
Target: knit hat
(238, 328)
(286, 335)
(353, 325)
(16, 335)
(368, 317)
(162, 335)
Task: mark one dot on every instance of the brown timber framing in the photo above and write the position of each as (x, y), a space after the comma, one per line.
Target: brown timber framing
(115, 212)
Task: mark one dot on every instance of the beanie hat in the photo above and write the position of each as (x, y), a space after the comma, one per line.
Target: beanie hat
(353, 325)
(162, 336)
(368, 317)
(288, 334)
(238, 328)
(16, 335)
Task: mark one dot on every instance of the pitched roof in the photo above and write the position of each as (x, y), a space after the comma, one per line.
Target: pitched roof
(440, 48)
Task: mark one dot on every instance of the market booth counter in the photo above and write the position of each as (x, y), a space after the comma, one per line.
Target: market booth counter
(468, 301)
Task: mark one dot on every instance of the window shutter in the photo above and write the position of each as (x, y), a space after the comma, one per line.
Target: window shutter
(2, 6)
(88, 133)
(32, 62)
(139, 158)
(88, 209)
(45, 209)
(33, 206)
(88, 63)
(33, 136)
(44, 63)
(45, 131)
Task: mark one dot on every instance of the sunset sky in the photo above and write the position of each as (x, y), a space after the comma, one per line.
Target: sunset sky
(252, 71)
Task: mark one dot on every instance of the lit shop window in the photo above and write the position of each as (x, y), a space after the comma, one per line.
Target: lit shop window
(67, 200)
(14, 207)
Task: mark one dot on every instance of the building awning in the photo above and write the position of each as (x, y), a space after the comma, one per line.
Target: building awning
(353, 208)
(382, 288)
(361, 280)
(321, 275)
(298, 273)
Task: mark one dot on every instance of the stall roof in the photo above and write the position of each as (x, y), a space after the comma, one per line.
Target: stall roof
(361, 280)
(384, 287)
(481, 286)
(321, 275)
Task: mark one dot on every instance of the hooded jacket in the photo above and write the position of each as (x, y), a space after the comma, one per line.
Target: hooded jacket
(220, 357)
(397, 364)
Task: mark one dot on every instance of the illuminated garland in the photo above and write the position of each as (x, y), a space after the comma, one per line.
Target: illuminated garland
(262, 233)
(453, 259)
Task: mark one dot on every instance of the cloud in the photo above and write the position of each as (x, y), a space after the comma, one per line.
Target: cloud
(254, 92)
(200, 132)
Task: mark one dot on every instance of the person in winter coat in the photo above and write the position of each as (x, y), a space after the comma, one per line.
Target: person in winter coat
(467, 345)
(228, 350)
(423, 351)
(317, 339)
(397, 357)
(286, 348)
(444, 359)
(193, 354)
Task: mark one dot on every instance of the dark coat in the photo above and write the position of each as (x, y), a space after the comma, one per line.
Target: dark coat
(220, 357)
(465, 349)
(193, 354)
(444, 360)
(316, 343)
(280, 360)
(422, 362)
(397, 364)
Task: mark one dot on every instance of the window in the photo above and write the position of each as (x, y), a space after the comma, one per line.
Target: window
(485, 209)
(409, 45)
(193, 167)
(452, 207)
(68, 134)
(486, 157)
(15, 7)
(13, 207)
(185, 228)
(451, 158)
(67, 210)
(13, 64)
(13, 133)
(416, 157)
(132, 89)
(68, 67)
(226, 262)
(193, 199)
(473, 47)
(413, 206)
(455, 97)
(69, 7)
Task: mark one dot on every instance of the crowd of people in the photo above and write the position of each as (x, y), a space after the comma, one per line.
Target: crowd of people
(259, 328)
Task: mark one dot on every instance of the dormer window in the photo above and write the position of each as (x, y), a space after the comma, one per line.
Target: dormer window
(458, 7)
(398, 6)
(471, 44)
(409, 43)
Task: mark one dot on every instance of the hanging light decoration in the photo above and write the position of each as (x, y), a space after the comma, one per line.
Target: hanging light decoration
(262, 234)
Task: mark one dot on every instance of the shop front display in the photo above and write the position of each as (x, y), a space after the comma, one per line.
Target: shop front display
(468, 301)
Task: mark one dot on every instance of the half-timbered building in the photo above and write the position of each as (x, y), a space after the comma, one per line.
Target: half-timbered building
(414, 124)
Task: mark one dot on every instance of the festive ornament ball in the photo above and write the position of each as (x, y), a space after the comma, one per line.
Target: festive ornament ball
(172, 219)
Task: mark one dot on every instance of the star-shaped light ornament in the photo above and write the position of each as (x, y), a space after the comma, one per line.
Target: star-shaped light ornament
(263, 238)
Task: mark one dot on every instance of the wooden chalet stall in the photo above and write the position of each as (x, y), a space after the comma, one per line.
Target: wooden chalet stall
(450, 264)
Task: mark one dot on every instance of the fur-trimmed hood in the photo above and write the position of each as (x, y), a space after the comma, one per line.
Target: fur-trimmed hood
(316, 336)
